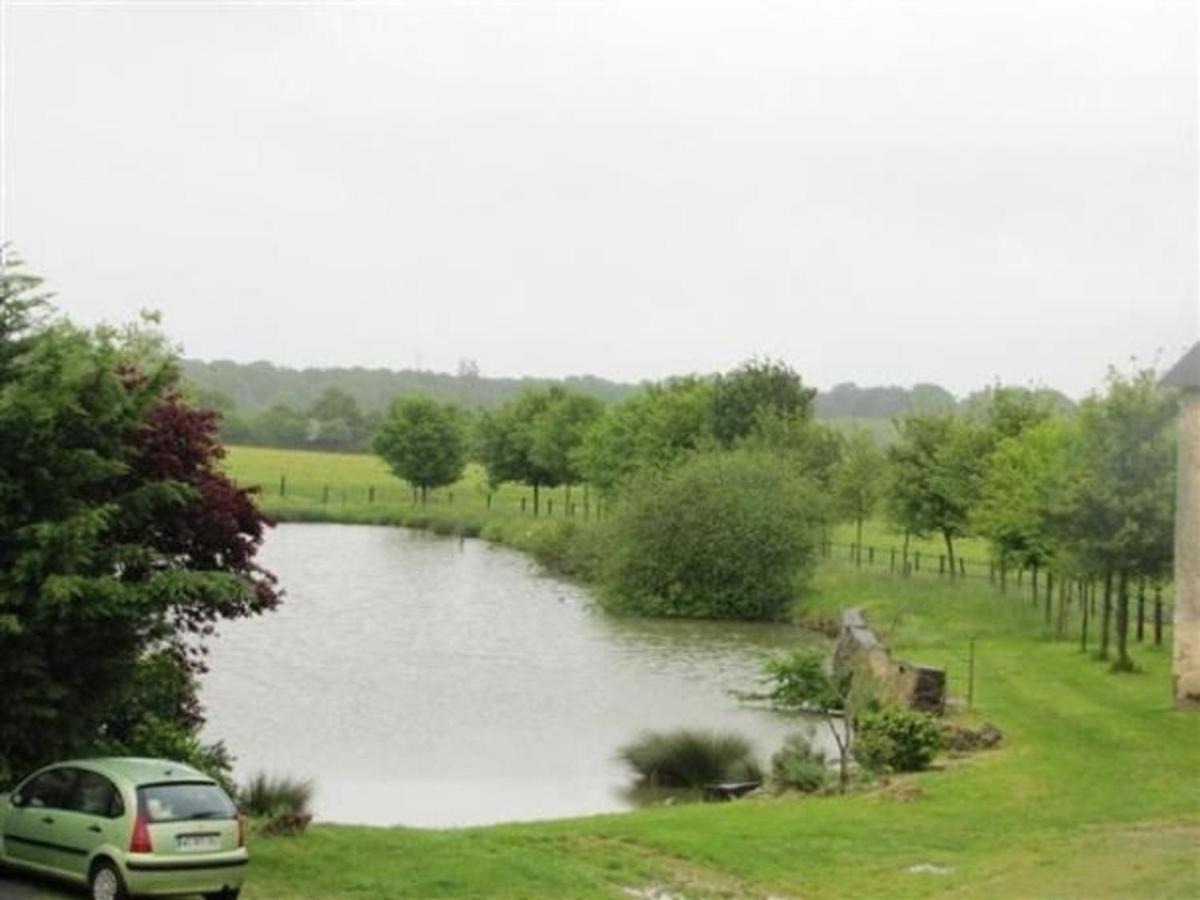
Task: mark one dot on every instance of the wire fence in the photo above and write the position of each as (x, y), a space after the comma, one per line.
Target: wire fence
(1086, 606)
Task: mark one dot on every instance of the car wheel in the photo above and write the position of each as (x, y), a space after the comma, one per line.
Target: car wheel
(106, 884)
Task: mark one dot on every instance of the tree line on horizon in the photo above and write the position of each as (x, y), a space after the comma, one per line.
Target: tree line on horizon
(340, 409)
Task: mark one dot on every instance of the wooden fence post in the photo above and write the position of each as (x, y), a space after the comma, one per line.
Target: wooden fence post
(282, 485)
(1158, 615)
(971, 676)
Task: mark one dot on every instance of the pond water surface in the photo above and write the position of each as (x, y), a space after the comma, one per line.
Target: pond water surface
(429, 681)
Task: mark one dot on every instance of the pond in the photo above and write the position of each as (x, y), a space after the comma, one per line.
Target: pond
(428, 681)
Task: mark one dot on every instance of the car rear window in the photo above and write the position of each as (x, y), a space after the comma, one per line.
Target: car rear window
(182, 801)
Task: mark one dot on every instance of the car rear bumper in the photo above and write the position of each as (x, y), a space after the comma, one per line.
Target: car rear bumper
(163, 875)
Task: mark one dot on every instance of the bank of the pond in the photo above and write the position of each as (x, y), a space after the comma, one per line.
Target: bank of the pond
(1096, 793)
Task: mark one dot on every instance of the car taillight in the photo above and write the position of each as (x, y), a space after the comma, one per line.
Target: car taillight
(241, 831)
(140, 842)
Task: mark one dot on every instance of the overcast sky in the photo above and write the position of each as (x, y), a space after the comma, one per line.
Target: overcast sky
(880, 192)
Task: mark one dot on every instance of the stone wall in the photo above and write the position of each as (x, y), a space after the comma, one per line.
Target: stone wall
(860, 654)
(1186, 668)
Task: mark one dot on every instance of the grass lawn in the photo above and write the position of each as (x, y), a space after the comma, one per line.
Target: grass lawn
(1095, 793)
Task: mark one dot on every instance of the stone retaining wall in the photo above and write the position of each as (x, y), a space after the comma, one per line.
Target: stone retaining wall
(860, 653)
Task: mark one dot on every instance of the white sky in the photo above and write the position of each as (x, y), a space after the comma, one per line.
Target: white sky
(881, 192)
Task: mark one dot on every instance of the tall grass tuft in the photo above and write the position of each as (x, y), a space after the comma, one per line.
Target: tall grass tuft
(272, 795)
(691, 758)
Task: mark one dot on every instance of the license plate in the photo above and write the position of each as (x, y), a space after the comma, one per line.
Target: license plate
(198, 842)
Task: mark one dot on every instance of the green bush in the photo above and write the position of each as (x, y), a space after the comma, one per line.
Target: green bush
(276, 795)
(721, 535)
(687, 758)
(899, 740)
(797, 765)
(563, 546)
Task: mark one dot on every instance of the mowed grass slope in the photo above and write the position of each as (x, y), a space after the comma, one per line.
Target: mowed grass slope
(1095, 793)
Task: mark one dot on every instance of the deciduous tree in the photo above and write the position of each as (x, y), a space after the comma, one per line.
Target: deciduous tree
(423, 443)
(119, 537)
(938, 466)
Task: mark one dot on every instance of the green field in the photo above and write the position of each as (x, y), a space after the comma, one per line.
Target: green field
(1095, 792)
(338, 487)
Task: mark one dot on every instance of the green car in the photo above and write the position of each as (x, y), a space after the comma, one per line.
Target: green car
(126, 828)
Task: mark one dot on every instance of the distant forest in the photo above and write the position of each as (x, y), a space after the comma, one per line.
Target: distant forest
(339, 408)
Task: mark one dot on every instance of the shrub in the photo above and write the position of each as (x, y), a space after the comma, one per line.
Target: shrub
(900, 740)
(688, 758)
(276, 795)
(562, 546)
(721, 535)
(797, 765)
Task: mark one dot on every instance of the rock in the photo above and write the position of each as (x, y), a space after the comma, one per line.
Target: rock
(929, 869)
(964, 739)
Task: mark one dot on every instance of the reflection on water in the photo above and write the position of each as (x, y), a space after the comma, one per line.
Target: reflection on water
(431, 682)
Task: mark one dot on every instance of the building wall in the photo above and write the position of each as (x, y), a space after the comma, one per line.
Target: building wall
(1187, 554)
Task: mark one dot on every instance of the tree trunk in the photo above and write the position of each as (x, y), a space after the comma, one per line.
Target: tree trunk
(1141, 611)
(1123, 664)
(905, 551)
(1035, 584)
(536, 499)
(1049, 593)
(1085, 595)
(1106, 617)
(424, 494)
(950, 552)
(1065, 587)
(858, 541)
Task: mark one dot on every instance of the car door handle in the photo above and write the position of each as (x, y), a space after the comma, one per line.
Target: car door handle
(96, 828)
(49, 820)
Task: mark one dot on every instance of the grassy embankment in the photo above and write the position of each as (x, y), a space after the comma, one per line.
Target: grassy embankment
(1095, 793)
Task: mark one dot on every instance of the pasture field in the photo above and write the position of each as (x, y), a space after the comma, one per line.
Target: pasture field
(1095, 793)
(303, 485)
